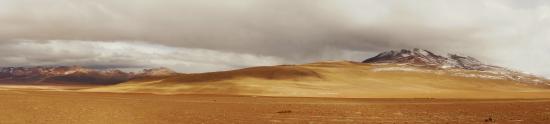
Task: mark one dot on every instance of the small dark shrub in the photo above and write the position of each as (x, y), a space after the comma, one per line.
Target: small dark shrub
(285, 111)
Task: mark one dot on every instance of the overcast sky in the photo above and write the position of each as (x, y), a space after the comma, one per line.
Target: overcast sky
(212, 35)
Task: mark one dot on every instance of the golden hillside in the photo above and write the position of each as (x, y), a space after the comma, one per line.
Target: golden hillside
(343, 79)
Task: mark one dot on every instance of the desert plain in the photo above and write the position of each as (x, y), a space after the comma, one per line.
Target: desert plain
(21, 106)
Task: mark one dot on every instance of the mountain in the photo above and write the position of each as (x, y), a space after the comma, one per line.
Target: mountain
(72, 75)
(429, 59)
(456, 63)
(394, 74)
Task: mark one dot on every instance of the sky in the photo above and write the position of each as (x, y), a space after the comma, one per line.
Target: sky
(212, 35)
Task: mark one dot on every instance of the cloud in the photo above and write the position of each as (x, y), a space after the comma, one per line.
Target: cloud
(291, 29)
(502, 32)
(126, 55)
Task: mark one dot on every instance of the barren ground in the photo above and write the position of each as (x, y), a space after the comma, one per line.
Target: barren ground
(54, 107)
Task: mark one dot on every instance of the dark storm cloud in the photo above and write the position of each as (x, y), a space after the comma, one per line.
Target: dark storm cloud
(280, 28)
(290, 30)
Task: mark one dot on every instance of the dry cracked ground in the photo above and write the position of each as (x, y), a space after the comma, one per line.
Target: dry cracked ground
(61, 107)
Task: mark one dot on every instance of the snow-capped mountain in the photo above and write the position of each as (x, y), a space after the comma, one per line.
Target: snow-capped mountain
(465, 66)
(428, 58)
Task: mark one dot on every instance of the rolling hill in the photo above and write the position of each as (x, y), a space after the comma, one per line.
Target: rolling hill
(394, 74)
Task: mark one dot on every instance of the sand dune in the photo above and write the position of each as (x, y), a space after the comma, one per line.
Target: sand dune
(339, 79)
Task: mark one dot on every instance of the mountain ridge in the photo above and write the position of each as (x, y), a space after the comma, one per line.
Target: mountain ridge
(427, 58)
(76, 75)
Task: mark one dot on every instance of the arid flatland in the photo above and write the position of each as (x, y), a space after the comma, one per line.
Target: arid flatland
(53, 107)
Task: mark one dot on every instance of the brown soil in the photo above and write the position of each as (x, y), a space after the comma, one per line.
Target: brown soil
(49, 107)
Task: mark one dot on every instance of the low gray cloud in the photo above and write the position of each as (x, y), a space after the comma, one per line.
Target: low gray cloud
(504, 32)
(126, 55)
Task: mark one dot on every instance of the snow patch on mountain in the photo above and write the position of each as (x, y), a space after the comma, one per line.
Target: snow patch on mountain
(418, 60)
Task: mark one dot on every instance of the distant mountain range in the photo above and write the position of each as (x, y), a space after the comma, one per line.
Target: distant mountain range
(75, 75)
